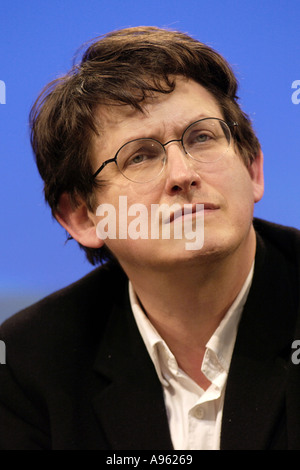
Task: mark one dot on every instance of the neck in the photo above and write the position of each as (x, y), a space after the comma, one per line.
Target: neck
(193, 293)
(186, 305)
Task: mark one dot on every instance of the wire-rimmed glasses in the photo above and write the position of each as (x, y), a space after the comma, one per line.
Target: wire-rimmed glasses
(142, 160)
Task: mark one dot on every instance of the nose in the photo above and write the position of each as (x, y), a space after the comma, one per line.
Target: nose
(181, 173)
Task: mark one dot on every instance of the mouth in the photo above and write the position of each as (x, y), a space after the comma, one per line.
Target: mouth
(191, 209)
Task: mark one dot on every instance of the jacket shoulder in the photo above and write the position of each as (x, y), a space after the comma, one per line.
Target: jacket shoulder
(65, 319)
(286, 239)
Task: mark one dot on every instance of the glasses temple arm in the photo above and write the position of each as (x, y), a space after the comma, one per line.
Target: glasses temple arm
(103, 166)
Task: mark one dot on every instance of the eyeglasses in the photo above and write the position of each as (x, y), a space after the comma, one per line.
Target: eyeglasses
(143, 160)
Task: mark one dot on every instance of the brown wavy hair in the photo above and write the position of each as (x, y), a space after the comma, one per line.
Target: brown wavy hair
(122, 67)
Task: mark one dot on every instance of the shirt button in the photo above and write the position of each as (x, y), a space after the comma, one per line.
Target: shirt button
(199, 413)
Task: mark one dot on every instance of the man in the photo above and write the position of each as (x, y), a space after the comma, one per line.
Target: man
(163, 346)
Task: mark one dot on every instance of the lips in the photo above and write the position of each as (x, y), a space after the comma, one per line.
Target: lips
(191, 209)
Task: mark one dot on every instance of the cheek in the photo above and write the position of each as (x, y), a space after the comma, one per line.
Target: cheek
(241, 200)
(119, 213)
(235, 187)
(238, 178)
(145, 193)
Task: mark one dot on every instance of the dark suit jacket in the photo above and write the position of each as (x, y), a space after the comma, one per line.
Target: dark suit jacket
(78, 375)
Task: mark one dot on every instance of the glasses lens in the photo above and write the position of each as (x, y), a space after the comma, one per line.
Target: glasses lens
(141, 160)
(207, 140)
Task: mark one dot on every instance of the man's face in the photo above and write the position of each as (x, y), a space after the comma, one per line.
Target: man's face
(226, 187)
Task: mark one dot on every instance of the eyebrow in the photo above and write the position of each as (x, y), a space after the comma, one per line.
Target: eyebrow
(153, 135)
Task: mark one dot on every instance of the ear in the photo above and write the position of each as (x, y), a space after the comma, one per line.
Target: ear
(256, 171)
(78, 222)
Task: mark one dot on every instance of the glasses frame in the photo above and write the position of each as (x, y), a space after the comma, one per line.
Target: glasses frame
(115, 158)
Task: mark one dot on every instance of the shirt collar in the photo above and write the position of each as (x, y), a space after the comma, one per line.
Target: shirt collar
(220, 344)
(223, 339)
(154, 343)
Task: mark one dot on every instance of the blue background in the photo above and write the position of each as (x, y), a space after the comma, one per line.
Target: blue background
(38, 39)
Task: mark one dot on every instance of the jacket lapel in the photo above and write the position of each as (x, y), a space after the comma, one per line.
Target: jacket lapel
(129, 403)
(254, 409)
(130, 406)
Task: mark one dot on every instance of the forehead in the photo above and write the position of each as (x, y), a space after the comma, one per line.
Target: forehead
(163, 117)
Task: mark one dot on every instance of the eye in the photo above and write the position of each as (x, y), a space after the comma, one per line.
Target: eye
(201, 133)
(200, 137)
(140, 158)
(131, 157)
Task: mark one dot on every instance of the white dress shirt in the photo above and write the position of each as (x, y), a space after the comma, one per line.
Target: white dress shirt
(194, 414)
